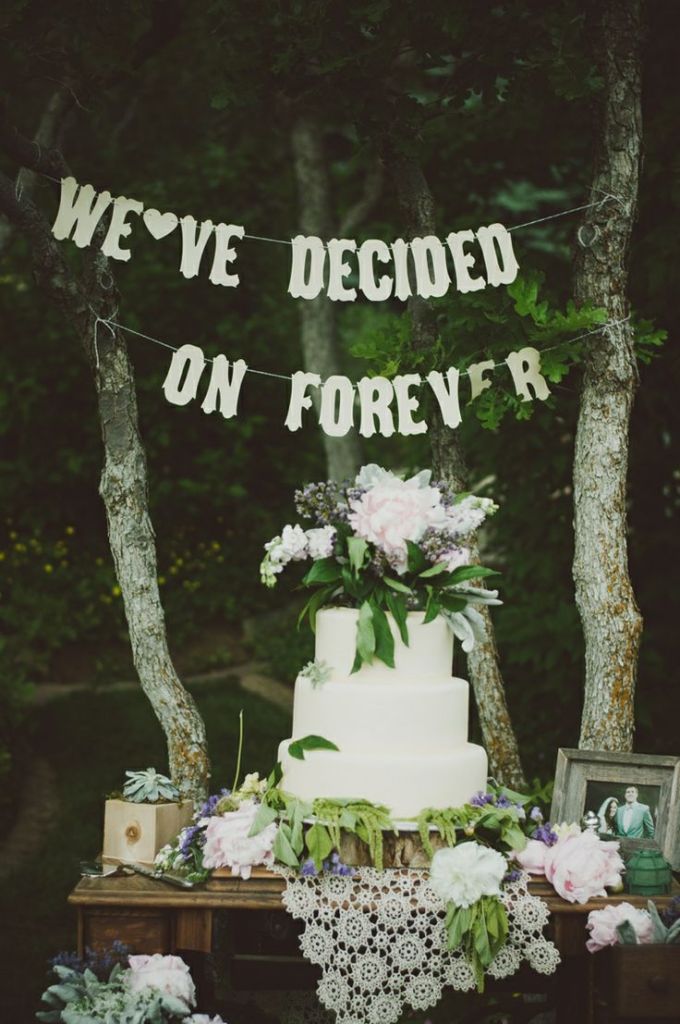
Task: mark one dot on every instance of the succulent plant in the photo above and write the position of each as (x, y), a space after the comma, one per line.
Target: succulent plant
(661, 933)
(149, 787)
(318, 672)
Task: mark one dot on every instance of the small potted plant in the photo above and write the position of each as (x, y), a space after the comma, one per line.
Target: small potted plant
(147, 816)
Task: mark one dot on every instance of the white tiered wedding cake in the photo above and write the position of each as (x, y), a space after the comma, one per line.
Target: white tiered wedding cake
(401, 732)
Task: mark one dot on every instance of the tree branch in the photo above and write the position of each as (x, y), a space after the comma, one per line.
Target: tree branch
(30, 153)
(373, 183)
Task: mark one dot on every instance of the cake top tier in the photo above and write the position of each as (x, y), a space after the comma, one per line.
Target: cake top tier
(429, 653)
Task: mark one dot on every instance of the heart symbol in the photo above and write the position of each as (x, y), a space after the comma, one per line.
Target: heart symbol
(160, 224)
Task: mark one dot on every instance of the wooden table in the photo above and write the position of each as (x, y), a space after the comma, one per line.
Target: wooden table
(154, 917)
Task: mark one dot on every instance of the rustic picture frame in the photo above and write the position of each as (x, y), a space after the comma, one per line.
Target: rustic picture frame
(576, 769)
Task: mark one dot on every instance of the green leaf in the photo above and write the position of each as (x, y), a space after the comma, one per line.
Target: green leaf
(365, 633)
(397, 606)
(356, 548)
(283, 849)
(298, 747)
(316, 601)
(325, 570)
(432, 608)
(660, 930)
(384, 641)
(470, 572)
(319, 844)
(397, 585)
(626, 934)
(451, 602)
(416, 559)
(434, 570)
(265, 816)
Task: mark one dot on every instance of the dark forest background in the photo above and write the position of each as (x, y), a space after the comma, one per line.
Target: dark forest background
(188, 108)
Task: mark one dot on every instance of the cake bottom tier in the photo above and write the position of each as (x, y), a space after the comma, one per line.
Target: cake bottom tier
(406, 785)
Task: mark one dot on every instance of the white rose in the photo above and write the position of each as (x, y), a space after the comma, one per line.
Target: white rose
(320, 541)
(167, 974)
(467, 872)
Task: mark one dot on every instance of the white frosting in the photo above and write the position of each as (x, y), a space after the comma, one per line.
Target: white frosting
(401, 732)
(429, 653)
(403, 783)
(360, 717)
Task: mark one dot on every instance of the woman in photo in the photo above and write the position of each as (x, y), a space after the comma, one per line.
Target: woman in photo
(607, 815)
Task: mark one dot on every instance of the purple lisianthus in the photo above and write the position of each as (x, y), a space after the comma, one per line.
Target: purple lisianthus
(536, 815)
(511, 876)
(207, 808)
(188, 837)
(481, 799)
(545, 834)
(331, 866)
(100, 962)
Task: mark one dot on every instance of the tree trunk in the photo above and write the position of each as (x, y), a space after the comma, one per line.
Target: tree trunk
(318, 324)
(123, 488)
(611, 621)
(449, 465)
(124, 481)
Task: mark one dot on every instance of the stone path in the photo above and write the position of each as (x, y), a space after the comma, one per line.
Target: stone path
(251, 677)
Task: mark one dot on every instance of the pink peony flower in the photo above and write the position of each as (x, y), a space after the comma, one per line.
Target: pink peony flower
(602, 925)
(393, 511)
(532, 857)
(168, 974)
(228, 845)
(580, 866)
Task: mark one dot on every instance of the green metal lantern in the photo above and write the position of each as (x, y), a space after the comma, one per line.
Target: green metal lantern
(648, 874)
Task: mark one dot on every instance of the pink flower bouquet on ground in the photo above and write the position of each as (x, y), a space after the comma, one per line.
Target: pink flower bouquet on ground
(383, 545)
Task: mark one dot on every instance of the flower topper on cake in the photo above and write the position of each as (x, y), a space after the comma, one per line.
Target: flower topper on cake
(387, 545)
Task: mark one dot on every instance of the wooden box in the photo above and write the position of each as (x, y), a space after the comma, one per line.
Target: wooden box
(643, 982)
(134, 833)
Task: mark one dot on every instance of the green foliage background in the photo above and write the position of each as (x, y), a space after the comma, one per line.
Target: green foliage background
(188, 108)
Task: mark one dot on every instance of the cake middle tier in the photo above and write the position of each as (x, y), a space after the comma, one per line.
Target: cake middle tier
(423, 716)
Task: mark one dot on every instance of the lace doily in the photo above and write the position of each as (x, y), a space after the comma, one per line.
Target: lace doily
(380, 941)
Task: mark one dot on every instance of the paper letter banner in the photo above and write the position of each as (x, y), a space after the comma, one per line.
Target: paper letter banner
(428, 267)
(376, 405)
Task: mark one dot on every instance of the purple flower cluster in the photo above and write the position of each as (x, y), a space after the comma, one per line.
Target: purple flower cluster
(672, 912)
(208, 807)
(100, 962)
(545, 834)
(511, 876)
(501, 801)
(323, 502)
(188, 836)
(482, 799)
(332, 866)
(485, 799)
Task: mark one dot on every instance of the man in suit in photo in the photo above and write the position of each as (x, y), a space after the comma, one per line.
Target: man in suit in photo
(634, 820)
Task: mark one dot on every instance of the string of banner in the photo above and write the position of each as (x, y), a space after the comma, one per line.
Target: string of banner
(419, 266)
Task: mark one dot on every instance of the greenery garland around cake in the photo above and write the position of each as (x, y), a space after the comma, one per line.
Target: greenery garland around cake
(258, 823)
(382, 544)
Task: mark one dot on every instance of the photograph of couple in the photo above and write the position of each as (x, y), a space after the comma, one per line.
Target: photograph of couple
(622, 810)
